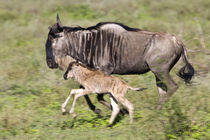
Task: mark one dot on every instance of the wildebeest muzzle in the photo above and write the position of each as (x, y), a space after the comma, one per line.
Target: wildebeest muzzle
(51, 63)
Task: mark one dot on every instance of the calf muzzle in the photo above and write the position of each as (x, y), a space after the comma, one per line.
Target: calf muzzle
(65, 76)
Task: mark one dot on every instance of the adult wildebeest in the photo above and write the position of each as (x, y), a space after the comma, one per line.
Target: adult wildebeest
(114, 48)
(95, 81)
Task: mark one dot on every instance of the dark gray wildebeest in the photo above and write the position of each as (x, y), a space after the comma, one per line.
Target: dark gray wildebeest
(95, 81)
(114, 48)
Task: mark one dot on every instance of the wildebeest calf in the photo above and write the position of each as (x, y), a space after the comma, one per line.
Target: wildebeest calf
(95, 81)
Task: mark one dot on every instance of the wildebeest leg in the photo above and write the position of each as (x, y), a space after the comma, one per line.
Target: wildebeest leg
(172, 86)
(100, 98)
(90, 104)
(161, 92)
(92, 107)
(166, 87)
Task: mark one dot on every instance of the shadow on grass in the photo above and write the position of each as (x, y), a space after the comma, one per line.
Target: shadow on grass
(178, 122)
(89, 122)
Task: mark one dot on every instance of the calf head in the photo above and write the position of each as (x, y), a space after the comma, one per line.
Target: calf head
(72, 71)
(64, 62)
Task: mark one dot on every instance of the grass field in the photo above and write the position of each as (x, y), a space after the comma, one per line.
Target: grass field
(31, 94)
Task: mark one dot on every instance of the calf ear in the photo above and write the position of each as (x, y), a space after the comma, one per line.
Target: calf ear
(77, 63)
(60, 27)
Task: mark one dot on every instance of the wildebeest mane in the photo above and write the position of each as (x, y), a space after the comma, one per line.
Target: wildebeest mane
(54, 29)
(120, 24)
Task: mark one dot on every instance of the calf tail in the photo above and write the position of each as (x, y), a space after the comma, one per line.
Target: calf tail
(187, 71)
(137, 89)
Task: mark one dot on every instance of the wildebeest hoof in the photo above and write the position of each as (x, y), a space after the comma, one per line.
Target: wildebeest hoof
(158, 107)
(98, 112)
(124, 111)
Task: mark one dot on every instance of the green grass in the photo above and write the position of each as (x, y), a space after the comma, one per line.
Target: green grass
(31, 94)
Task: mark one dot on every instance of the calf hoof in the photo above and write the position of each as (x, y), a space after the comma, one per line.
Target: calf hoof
(64, 113)
(74, 115)
(110, 125)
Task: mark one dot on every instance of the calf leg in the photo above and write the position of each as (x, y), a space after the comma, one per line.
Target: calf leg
(128, 105)
(78, 93)
(67, 99)
(115, 111)
(122, 111)
(90, 104)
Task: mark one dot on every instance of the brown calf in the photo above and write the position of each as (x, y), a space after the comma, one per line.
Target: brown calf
(95, 81)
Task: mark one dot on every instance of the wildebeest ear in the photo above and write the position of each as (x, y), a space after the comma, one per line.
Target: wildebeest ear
(60, 27)
(50, 37)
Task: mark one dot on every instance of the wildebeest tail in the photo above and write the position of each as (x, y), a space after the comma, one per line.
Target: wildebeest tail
(137, 89)
(187, 71)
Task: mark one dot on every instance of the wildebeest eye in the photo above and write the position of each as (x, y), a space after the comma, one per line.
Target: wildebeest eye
(55, 35)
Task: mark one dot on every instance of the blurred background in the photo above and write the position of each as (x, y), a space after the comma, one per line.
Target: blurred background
(31, 94)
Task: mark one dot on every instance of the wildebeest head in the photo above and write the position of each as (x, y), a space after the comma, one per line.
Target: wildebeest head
(72, 70)
(56, 46)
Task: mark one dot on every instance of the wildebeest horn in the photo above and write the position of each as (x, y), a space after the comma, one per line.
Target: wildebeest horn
(59, 22)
